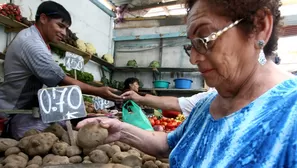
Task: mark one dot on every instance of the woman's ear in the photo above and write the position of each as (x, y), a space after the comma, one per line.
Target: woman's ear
(263, 21)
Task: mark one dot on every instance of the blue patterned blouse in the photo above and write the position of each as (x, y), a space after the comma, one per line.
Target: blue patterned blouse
(262, 134)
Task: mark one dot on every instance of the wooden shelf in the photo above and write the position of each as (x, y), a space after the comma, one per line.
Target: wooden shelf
(67, 47)
(102, 62)
(9, 23)
(148, 69)
(194, 91)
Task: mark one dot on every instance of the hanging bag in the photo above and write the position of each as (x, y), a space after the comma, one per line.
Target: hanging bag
(132, 114)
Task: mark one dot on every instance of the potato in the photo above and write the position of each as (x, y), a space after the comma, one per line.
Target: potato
(119, 156)
(6, 143)
(86, 162)
(24, 156)
(120, 166)
(19, 161)
(124, 147)
(99, 156)
(164, 165)
(72, 151)
(134, 152)
(38, 144)
(91, 135)
(65, 137)
(116, 148)
(148, 158)
(33, 166)
(60, 148)
(158, 163)
(90, 110)
(87, 158)
(11, 165)
(164, 160)
(132, 161)
(56, 160)
(31, 132)
(108, 149)
(87, 151)
(149, 164)
(75, 159)
(37, 160)
(56, 129)
(12, 150)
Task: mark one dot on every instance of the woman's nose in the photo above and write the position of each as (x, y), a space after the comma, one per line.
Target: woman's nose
(196, 57)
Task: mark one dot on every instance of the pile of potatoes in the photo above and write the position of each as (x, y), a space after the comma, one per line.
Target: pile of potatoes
(52, 147)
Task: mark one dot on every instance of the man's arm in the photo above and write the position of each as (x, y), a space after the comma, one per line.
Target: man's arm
(104, 92)
(161, 102)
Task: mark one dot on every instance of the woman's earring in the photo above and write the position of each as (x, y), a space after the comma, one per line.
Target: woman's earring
(262, 59)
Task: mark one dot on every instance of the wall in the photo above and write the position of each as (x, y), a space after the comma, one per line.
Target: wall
(145, 51)
(89, 22)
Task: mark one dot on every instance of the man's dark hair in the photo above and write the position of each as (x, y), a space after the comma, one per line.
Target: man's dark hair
(53, 10)
(129, 81)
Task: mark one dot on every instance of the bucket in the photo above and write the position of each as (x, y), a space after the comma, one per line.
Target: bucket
(181, 83)
(161, 84)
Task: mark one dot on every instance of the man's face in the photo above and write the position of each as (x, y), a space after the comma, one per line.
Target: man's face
(54, 29)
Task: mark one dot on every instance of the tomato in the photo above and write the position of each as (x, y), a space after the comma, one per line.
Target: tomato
(155, 118)
(164, 123)
(157, 122)
(152, 121)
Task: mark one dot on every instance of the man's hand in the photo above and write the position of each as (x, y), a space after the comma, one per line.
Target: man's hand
(131, 95)
(108, 94)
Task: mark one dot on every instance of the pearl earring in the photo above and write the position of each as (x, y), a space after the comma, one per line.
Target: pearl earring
(262, 58)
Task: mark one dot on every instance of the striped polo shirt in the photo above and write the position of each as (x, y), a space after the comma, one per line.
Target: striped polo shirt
(28, 65)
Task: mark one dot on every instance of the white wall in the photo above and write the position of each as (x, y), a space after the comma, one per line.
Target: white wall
(89, 22)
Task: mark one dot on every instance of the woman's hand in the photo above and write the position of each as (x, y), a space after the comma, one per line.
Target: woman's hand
(131, 95)
(113, 126)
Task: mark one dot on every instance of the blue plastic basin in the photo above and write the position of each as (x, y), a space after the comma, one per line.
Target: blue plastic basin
(182, 83)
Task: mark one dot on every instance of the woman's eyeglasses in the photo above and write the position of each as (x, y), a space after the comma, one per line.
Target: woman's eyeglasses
(201, 45)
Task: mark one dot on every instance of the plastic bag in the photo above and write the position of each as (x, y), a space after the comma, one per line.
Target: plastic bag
(133, 115)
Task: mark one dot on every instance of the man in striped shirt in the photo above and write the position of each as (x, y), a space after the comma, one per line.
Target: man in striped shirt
(29, 65)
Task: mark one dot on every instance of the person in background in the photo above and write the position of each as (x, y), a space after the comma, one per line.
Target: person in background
(131, 84)
(29, 65)
(181, 104)
(251, 119)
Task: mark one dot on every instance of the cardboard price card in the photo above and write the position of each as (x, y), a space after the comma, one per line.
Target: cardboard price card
(100, 104)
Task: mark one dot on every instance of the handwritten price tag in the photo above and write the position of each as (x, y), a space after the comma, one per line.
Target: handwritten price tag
(100, 104)
(73, 61)
(61, 103)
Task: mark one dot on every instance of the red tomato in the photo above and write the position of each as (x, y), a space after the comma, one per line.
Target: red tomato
(164, 123)
(152, 121)
(157, 122)
(155, 118)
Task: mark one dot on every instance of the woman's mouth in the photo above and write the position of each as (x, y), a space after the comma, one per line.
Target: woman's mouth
(206, 71)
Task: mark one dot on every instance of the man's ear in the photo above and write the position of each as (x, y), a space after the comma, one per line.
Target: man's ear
(263, 21)
(43, 18)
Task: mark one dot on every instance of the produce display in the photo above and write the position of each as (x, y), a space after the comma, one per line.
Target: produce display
(155, 64)
(11, 10)
(132, 63)
(52, 147)
(164, 124)
(81, 76)
(108, 58)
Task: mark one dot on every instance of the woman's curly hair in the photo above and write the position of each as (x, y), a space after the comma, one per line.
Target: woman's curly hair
(247, 9)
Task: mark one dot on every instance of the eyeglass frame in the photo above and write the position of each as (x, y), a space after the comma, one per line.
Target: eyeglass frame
(212, 37)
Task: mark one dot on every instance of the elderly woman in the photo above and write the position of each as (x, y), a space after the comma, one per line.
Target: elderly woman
(251, 121)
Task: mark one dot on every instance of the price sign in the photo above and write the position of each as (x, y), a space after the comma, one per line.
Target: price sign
(73, 61)
(100, 104)
(61, 103)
